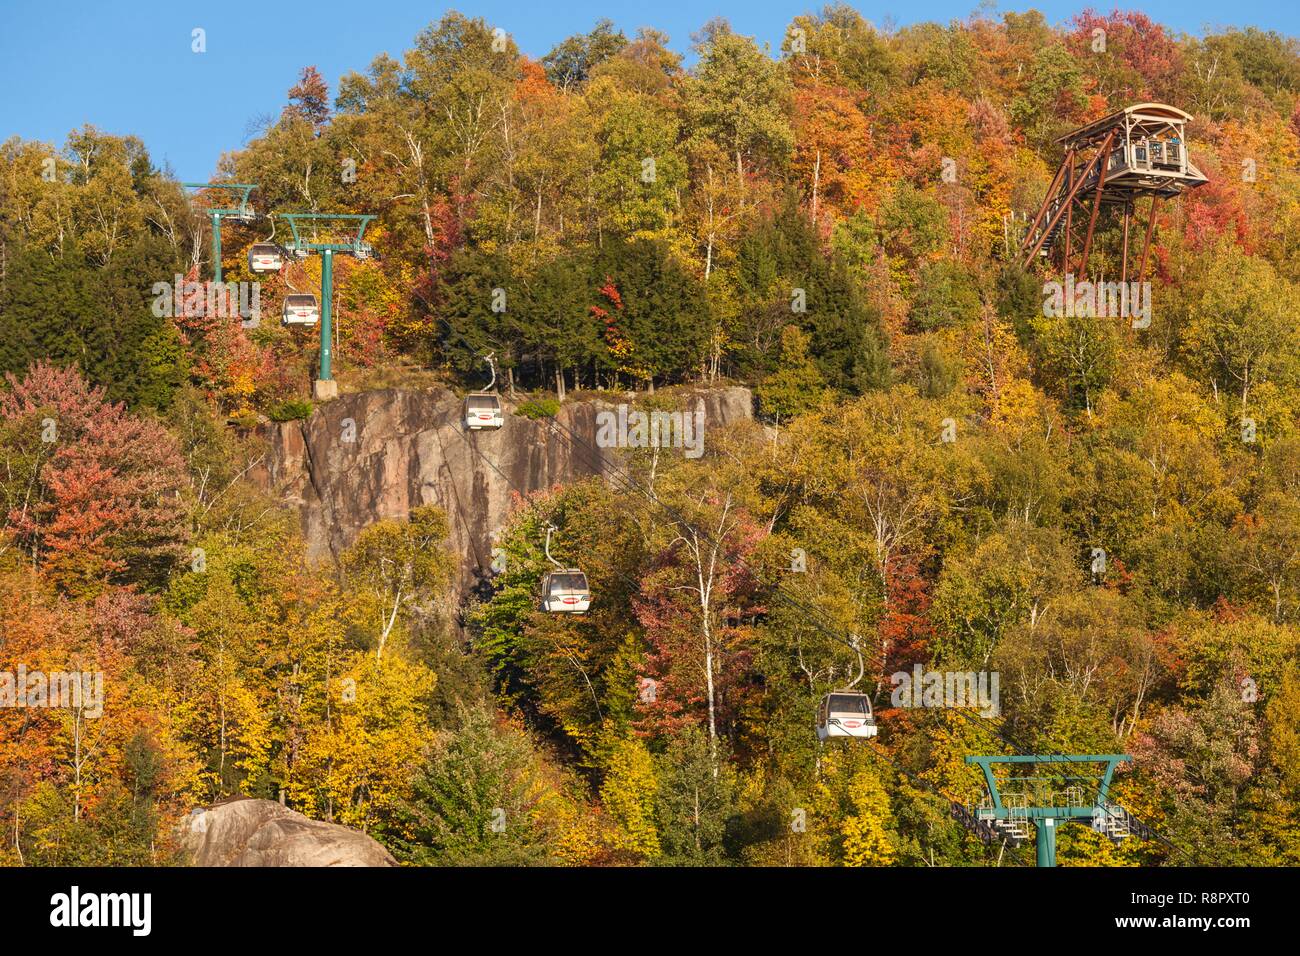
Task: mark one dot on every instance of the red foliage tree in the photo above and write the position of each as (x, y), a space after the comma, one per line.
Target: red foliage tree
(1140, 60)
(905, 629)
(102, 498)
(310, 98)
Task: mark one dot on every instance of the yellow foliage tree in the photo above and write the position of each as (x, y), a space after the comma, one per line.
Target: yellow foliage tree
(628, 795)
(866, 842)
(357, 764)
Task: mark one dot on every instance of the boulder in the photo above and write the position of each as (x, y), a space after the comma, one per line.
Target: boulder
(248, 832)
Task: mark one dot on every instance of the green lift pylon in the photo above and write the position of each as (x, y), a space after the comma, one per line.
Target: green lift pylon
(243, 212)
(325, 387)
(1058, 799)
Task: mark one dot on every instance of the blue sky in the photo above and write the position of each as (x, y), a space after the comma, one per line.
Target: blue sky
(126, 65)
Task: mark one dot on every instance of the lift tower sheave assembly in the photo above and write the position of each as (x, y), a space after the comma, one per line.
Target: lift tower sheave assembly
(325, 387)
(1138, 151)
(1045, 800)
(242, 211)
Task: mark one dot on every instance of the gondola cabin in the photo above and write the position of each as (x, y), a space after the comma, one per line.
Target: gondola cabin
(300, 309)
(565, 592)
(265, 257)
(482, 410)
(844, 714)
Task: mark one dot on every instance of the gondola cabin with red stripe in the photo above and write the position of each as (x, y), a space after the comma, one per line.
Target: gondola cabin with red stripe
(265, 257)
(300, 309)
(482, 410)
(845, 714)
(565, 592)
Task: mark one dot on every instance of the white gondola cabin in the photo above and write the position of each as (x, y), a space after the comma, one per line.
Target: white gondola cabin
(265, 257)
(482, 410)
(565, 592)
(300, 309)
(845, 714)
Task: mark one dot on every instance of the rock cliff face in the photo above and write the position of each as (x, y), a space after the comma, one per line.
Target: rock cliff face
(374, 455)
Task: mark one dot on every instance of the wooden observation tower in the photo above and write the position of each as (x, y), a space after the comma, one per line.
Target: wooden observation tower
(1139, 151)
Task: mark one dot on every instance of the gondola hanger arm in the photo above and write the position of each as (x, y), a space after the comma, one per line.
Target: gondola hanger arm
(550, 530)
(856, 643)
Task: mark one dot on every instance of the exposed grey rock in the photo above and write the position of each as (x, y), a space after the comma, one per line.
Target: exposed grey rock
(408, 448)
(248, 832)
